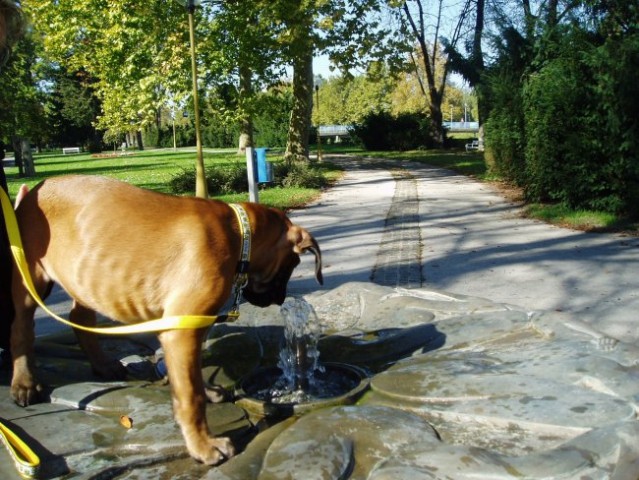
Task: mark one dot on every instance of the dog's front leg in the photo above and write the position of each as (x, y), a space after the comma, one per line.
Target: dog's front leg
(25, 388)
(182, 351)
(107, 368)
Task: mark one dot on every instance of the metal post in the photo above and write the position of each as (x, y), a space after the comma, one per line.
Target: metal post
(319, 140)
(252, 175)
(201, 189)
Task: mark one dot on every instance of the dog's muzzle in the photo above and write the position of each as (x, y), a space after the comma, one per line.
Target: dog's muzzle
(274, 291)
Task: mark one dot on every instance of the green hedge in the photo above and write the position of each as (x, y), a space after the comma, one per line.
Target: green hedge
(565, 127)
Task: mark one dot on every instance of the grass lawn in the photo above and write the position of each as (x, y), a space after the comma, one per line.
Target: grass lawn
(153, 169)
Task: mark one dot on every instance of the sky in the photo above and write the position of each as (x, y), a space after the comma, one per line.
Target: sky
(321, 67)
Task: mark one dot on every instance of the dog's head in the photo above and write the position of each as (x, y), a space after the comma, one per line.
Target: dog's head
(273, 262)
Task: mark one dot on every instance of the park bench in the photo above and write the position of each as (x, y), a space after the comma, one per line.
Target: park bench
(66, 150)
(474, 145)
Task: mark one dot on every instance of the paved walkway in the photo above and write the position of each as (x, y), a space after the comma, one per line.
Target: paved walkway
(410, 225)
(468, 240)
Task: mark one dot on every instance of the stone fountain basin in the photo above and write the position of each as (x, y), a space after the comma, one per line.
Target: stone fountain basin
(352, 383)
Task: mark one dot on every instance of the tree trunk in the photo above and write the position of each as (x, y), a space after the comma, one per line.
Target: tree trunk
(27, 158)
(300, 125)
(429, 62)
(138, 136)
(437, 119)
(477, 60)
(246, 122)
(16, 143)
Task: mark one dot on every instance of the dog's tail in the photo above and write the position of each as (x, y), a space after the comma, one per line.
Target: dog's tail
(7, 311)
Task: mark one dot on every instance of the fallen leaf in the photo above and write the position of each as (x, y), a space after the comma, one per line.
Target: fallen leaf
(126, 421)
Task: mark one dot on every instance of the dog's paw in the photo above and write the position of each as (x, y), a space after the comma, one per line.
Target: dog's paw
(26, 392)
(111, 370)
(215, 451)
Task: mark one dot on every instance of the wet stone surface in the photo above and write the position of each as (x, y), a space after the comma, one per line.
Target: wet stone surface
(460, 388)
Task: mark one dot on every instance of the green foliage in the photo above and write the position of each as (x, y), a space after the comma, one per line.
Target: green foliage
(347, 101)
(220, 180)
(133, 52)
(383, 131)
(504, 128)
(616, 89)
(183, 182)
(219, 134)
(270, 122)
(298, 174)
(561, 164)
(93, 145)
(564, 125)
(227, 179)
(21, 111)
(71, 109)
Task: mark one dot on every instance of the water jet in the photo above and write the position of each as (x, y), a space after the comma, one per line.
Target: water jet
(299, 383)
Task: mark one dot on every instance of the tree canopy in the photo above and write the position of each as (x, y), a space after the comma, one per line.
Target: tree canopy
(555, 81)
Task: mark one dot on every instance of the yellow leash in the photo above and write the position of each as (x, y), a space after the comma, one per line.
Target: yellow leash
(26, 461)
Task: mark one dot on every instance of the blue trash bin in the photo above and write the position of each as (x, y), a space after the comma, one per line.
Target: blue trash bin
(264, 167)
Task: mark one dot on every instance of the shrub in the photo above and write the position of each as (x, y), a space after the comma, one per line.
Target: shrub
(229, 179)
(504, 129)
(93, 145)
(383, 131)
(579, 126)
(298, 175)
(219, 180)
(222, 180)
(183, 182)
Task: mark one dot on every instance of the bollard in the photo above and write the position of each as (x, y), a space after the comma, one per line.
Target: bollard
(251, 172)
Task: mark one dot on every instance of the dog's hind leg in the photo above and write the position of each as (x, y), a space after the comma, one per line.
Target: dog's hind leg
(105, 367)
(6, 267)
(6, 302)
(183, 351)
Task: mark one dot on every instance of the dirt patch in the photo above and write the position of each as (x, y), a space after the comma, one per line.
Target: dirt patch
(509, 191)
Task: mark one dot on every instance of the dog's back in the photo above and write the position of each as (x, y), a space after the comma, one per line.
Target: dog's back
(119, 249)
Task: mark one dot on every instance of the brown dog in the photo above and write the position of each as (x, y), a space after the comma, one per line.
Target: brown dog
(135, 255)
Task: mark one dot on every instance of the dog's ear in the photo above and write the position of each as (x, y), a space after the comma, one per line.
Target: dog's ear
(24, 189)
(304, 242)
